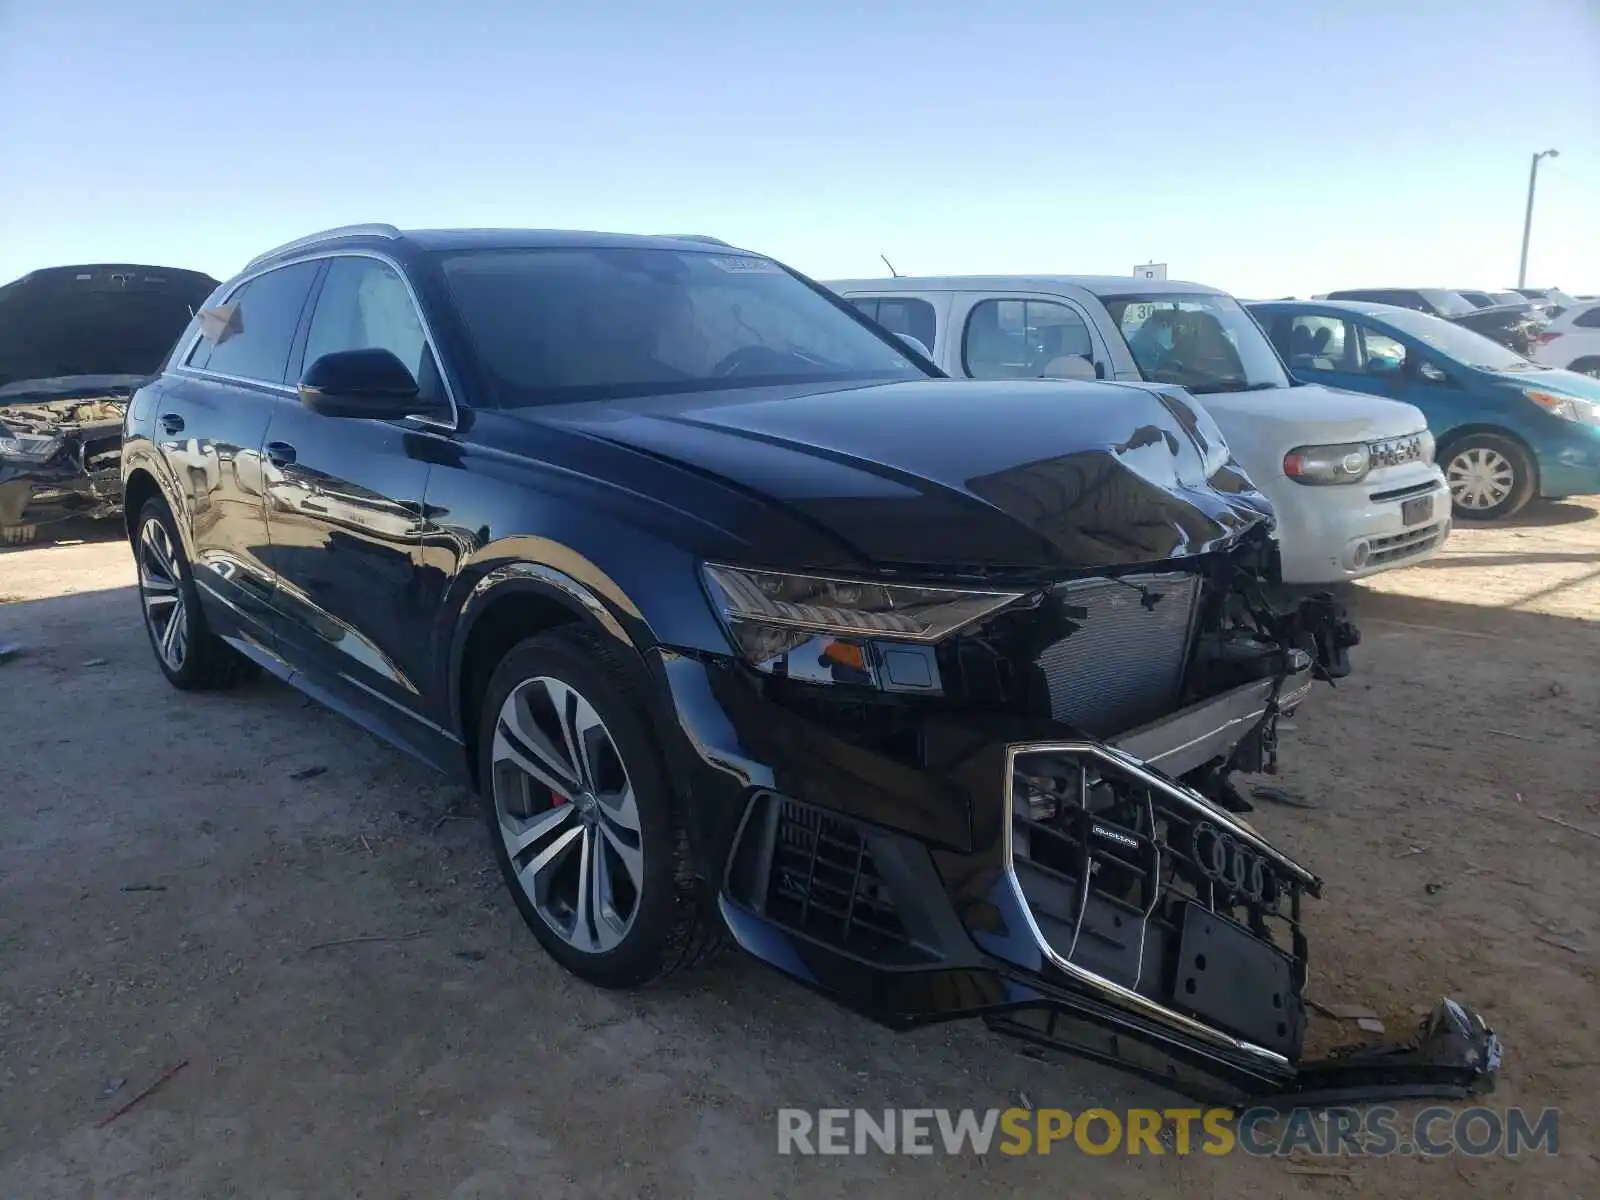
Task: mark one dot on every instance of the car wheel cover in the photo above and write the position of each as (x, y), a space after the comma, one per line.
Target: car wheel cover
(567, 815)
(166, 612)
(1480, 478)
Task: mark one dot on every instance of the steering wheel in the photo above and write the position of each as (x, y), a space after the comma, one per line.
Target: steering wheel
(748, 358)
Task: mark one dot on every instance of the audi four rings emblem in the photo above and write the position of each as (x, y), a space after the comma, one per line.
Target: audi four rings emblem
(1223, 861)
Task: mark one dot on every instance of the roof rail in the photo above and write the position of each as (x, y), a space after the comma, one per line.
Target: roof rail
(695, 237)
(370, 229)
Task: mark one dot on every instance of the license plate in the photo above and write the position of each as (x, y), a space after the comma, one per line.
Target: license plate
(1415, 512)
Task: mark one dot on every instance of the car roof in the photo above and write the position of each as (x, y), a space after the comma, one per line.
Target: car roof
(377, 235)
(1366, 308)
(1098, 285)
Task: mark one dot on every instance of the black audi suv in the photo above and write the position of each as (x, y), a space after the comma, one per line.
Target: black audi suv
(743, 621)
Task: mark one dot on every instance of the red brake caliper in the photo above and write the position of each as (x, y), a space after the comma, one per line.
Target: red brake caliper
(556, 798)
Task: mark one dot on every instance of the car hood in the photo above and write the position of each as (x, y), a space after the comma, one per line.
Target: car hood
(1309, 415)
(106, 319)
(954, 474)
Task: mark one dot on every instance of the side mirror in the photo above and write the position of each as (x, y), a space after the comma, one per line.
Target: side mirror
(915, 343)
(368, 383)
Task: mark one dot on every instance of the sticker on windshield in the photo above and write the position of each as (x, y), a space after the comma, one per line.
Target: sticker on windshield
(744, 264)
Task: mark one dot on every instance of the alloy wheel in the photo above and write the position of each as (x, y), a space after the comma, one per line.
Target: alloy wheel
(567, 815)
(165, 609)
(1480, 478)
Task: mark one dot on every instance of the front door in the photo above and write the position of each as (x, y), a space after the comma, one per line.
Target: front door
(344, 506)
(210, 421)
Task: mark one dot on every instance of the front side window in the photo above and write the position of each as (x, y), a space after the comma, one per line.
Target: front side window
(249, 335)
(364, 305)
(568, 324)
(901, 314)
(1199, 341)
(1381, 354)
(1025, 339)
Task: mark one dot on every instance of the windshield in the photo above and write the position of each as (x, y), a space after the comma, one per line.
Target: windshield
(1510, 298)
(1457, 342)
(567, 324)
(1201, 342)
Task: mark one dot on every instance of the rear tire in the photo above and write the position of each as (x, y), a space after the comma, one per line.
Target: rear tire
(584, 824)
(188, 653)
(1491, 477)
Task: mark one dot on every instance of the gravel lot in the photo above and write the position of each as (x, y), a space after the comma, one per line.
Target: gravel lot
(168, 884)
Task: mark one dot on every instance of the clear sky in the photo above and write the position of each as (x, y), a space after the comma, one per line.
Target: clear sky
(1267, 148)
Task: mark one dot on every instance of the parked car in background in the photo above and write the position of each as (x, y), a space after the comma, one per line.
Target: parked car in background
(1552, 299)
(74, 344)
(1516, 327)
(1572, 339)
(1508, 429)
(1477, 299)
(744, 620)
(1351, 478)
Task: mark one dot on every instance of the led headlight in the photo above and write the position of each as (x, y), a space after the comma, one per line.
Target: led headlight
(1568, 408)
(1345, 463)
(27, 447)
(1428, 446)
(771, 612)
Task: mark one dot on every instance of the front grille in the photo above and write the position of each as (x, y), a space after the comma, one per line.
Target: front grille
(1401, 546)
(825, 884)
(1123, 663)
(1157, 894)
(1395, 451)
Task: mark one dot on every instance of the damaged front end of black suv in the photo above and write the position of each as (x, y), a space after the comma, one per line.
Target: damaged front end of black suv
(1023, 809)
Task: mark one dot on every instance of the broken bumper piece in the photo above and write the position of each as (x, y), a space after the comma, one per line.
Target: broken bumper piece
(1077, 897)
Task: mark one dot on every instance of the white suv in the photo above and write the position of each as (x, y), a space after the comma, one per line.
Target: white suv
(1352, 477)
(1572, 340)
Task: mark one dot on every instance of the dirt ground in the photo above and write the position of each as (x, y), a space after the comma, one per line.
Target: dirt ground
(169, 881)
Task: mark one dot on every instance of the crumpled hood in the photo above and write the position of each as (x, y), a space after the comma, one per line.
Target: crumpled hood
(1310, 415)
(105, 319)
(953, 474)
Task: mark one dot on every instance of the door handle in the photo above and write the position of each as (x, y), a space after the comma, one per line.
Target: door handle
(172, 422)
(280, 454)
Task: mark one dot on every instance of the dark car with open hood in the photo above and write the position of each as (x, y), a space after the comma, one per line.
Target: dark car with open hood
(745, 622)
(74, 344)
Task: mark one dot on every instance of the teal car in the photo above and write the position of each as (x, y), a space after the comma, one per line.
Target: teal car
(1508, 429)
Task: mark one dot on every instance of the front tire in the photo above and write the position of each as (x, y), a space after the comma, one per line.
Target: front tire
(1490, 477)
(188, 653)
(582, 819)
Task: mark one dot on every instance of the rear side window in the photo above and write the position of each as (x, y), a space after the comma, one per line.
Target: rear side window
(1589, 319)
(1021, 339)
(254, 339)
(901, 314)
(1320, 343)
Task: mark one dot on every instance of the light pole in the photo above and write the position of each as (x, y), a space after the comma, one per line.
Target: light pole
(1527, 221)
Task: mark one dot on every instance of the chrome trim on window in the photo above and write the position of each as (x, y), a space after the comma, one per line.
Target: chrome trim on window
(180, 360)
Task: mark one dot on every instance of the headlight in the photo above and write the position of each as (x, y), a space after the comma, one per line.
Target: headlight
(1346, 463)
(1428, 445)
(27, 447)
(769, 613)
(1569, 408)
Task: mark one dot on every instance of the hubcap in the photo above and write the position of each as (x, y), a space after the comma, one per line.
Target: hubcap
(567, 815)
(165, 610)
(1480, 478)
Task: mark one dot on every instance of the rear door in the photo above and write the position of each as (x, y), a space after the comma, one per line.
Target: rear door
(344, 510)
(210, 421)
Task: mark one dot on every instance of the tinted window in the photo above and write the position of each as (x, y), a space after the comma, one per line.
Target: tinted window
(901, 314)
(1199, 341)
(364, 305)
(1457, 343)
(255, 342)
(558, 325)
(1022, 339)
(1590, 319)
(1449, 304)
